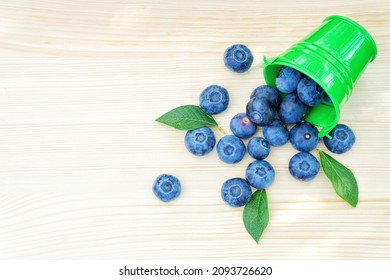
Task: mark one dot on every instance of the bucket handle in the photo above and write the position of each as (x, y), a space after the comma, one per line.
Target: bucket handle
(267, 62)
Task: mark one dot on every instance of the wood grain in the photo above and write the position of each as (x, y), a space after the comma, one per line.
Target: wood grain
(81, 83)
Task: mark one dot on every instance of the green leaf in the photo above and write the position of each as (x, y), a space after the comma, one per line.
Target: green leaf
(187, 117)
(256, 214)
(343, 180)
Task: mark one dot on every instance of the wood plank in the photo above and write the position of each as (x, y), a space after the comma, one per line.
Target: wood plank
(81, 83)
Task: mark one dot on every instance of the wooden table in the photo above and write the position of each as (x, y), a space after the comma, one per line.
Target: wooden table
(81, 83)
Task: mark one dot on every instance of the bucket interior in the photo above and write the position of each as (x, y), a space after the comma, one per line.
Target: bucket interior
(323, 115)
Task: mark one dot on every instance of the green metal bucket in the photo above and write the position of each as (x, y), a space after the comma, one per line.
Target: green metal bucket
(334, 56)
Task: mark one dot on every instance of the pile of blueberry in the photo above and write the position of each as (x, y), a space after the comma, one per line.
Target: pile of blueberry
(267, 110)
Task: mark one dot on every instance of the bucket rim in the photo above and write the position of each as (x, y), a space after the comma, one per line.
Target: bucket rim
(281, 61)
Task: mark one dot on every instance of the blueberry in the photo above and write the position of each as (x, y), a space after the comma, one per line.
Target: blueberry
(236, 192)
(260, 111)
(287, 79)
(214, 99)
(241, 126)
(200, 141)
(327, 99)
(166, 187)
(258, 148)
(309, 92)
(303, 166)
(260, 174)
(292, 110)
(342, 140)
(269, 93)
(231, 149)
(276, 133)
(238, 58)
(304, 137)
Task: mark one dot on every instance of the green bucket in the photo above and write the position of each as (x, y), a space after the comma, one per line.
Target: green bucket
(334, 56)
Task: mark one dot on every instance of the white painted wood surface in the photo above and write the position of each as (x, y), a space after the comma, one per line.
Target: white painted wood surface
(81, 83)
